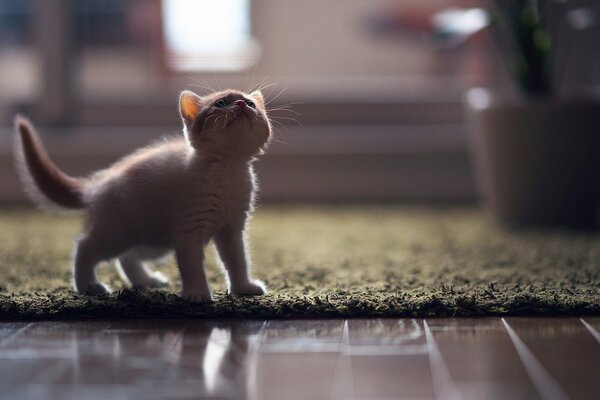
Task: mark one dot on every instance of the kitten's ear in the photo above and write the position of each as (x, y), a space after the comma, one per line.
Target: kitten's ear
(190, 105)
(258, 97)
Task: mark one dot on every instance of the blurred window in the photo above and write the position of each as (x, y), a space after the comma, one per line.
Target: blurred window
(15, 21)
(19, 79)
(209, 35)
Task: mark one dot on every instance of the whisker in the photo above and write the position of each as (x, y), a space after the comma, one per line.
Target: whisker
(225, 121)
(283, 117)
(288, 105)
(274, 139)
(279, 124)
(278, 94)
(253, 87)
(283, 110)
(201, 84)
(279, 129)
(278, 82)
(295, 103)
(277, 118)
(248, 85)
(266, 85)
(207, 119)
(217, 120)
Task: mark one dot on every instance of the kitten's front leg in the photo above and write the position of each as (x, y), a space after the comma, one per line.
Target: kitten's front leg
(232, 250)
(190, 260)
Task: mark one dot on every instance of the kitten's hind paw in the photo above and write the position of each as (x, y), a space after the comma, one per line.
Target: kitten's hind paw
(252, 288)
(94, 289)
(197, 297)
(154, 280)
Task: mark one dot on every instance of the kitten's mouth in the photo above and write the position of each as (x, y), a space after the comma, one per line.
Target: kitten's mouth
(239, 115)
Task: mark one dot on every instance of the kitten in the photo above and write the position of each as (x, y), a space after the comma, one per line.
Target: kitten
(172, 195)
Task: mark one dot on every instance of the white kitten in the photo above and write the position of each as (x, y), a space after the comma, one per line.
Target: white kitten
(176, 194)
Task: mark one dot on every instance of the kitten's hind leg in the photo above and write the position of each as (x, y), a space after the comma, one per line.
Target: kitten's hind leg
(137, 273)
(87, 257)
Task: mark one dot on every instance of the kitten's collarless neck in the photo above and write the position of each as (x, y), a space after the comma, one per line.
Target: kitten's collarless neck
(224, 160)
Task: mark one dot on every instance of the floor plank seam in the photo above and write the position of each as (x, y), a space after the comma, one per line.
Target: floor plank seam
(443, 384)
(591, 329)
(547, 387)
(12, 337)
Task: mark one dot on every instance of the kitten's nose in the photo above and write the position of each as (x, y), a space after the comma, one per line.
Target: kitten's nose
(241, 104)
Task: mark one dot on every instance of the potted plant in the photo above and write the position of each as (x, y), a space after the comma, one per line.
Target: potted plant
(536, 151)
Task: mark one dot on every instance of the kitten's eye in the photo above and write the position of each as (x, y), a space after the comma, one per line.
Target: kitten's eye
(250, 103)
(222, 102)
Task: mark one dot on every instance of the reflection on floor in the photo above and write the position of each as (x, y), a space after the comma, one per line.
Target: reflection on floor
(510, 358)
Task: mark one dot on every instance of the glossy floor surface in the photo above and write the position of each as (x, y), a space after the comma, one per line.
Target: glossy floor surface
(492, 358)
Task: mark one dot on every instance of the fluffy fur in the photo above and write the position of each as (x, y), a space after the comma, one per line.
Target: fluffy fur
(172, 195)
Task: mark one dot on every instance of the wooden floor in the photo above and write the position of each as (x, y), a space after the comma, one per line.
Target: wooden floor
(491, 358)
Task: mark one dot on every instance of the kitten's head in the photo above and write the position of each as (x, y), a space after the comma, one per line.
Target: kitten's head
(225, 121)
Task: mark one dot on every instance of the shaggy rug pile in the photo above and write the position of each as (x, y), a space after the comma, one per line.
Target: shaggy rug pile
(325, 261)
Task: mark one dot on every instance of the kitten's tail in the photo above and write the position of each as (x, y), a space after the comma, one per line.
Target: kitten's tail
(41, 178)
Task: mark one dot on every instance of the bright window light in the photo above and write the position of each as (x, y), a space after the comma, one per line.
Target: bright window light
(208, 35)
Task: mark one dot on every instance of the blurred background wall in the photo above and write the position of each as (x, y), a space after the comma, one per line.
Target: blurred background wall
(375, 90)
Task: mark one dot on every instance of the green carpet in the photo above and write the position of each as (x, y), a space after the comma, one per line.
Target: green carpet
(327, 262)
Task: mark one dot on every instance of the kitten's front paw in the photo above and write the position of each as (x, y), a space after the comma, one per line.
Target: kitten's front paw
(155, 280)
(94, 289)
(252, 288)
(194, 297)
